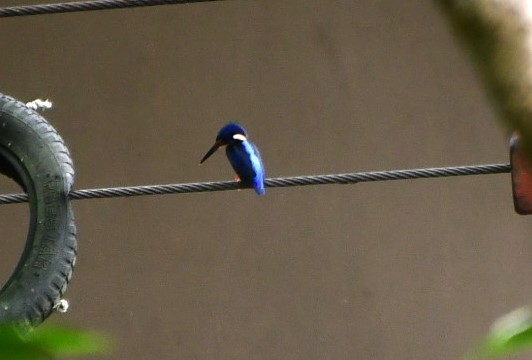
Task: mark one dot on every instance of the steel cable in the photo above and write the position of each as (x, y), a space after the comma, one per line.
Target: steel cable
(351, 178)
(90, 5)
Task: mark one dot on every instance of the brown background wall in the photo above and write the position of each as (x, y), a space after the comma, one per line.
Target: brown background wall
(400, 270)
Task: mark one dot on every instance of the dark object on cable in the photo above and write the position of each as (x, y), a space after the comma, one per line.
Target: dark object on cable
(521, 176)
(34, 155)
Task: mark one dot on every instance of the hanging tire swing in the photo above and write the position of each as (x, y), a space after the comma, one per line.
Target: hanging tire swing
(34, 155)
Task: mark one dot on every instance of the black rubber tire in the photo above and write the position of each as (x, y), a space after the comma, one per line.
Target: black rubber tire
(35, 156)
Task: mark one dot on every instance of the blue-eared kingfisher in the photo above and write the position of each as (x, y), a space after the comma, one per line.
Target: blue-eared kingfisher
(242, 154)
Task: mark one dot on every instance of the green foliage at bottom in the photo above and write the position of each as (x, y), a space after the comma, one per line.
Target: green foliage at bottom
(512, 333)
(49, 342)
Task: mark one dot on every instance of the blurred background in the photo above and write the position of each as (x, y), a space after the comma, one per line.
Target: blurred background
(390, 270)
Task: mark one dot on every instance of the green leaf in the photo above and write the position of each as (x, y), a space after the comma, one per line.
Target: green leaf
(509, 334)
(48, 342)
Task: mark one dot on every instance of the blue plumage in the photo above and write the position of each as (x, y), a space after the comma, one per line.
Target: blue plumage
(242, 154)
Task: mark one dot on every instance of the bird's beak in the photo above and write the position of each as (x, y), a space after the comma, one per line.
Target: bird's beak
(212, 150)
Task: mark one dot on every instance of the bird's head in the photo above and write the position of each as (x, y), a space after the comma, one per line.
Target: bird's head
(230, 134)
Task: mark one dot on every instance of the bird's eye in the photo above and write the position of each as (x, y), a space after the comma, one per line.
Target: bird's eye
(239, 137)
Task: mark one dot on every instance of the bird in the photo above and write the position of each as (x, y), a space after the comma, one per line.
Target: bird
(242, 154)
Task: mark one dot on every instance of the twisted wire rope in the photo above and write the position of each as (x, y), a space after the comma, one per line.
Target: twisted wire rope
(351, 178)
(90, 5)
